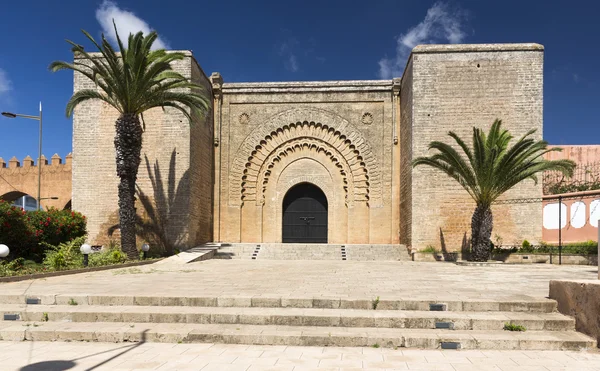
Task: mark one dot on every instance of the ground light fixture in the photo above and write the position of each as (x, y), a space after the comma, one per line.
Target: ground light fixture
(4, 251)
(145, 249)
(86, 250)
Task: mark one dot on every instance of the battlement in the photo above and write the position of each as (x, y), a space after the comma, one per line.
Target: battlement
(56, 163)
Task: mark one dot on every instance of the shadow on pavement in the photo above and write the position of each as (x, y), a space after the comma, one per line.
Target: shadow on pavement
(66, 365)
(49, 366)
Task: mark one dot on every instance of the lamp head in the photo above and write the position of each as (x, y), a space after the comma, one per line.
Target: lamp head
(4, 250)
(9, 115)
(85, 249)
(145, 247)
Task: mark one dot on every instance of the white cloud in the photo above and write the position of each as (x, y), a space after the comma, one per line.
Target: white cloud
(5, 84)
(127, 22)
(292, 63)
(287, 51)
(442, 24)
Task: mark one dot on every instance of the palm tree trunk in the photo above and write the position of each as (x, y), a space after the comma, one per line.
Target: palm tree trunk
(128, 145)
(482, 223)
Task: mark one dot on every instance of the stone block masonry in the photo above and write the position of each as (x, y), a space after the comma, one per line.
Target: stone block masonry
(224, 178)
(456, 87)
(175, 172)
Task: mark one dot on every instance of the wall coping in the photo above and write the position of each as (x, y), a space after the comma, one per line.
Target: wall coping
(466, 48)
(307, 86)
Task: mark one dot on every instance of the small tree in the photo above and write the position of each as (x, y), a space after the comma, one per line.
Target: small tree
(133, 82)
(488, 170)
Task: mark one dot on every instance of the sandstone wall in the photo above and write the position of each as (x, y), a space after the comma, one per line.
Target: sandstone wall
(175, 171)
(21, 178)
(579, 299)
(406, 132)
(336, 135)
(456, 87)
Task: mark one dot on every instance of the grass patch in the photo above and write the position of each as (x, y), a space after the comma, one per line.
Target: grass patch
(429, 250)
(513, 327)
(73, 302)
(375, 303)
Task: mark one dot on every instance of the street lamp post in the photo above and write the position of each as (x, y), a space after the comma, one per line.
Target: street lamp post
(86, 250)
(38, 118)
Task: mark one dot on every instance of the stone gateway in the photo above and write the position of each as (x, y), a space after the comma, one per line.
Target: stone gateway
(320, 162)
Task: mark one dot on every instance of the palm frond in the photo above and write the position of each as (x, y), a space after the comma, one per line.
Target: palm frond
(136, 78)
(492, 167)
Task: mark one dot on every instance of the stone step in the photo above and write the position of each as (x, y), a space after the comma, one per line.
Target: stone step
(286, 251)
(290, 317)
(292, 335)
(473, 305)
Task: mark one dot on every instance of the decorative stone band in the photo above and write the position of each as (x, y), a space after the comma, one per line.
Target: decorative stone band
(284, 134)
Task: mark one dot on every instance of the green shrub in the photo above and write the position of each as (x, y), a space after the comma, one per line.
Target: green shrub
(64, 256)
(575, 248)
(57, 226)
(15, 232)
(28, 234)
(19, 266)
(112, 255)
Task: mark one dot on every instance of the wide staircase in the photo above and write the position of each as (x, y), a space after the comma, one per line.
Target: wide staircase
(320, 321)
(294, 251)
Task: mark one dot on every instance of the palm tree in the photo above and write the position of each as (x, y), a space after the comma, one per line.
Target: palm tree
(133, 81)
(489, 169)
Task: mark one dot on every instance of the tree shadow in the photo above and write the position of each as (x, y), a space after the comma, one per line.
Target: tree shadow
(465, 247)
(67, 365)
(159, 225)
(447, 255)
(49, 366)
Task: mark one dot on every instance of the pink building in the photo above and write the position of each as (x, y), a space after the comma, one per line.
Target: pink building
(579, 211)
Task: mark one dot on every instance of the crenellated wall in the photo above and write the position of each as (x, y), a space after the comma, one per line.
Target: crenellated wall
(21, 178)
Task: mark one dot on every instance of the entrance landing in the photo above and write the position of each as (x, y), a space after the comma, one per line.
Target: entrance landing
(316, 303)
(298, 251)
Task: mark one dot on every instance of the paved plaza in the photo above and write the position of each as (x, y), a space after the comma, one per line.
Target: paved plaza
(60, 356)
(309, 279)
(268, 279)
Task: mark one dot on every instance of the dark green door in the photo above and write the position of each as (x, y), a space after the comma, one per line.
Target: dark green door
(305, 215)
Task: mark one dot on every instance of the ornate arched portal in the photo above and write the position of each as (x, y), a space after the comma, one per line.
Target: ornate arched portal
(325, 151)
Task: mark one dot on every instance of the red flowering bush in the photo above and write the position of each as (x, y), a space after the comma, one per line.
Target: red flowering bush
(23, 232)
(14, 230)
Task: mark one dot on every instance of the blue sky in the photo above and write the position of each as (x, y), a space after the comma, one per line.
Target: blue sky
(299, 40)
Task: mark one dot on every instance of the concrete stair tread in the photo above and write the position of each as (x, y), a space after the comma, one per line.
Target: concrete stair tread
(290, 316)
(285, 251)
(292, 335)
(508, 304)
(326, 312)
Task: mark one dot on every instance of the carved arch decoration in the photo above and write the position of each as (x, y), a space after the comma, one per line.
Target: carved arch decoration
(354, 177)
(319, 130)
